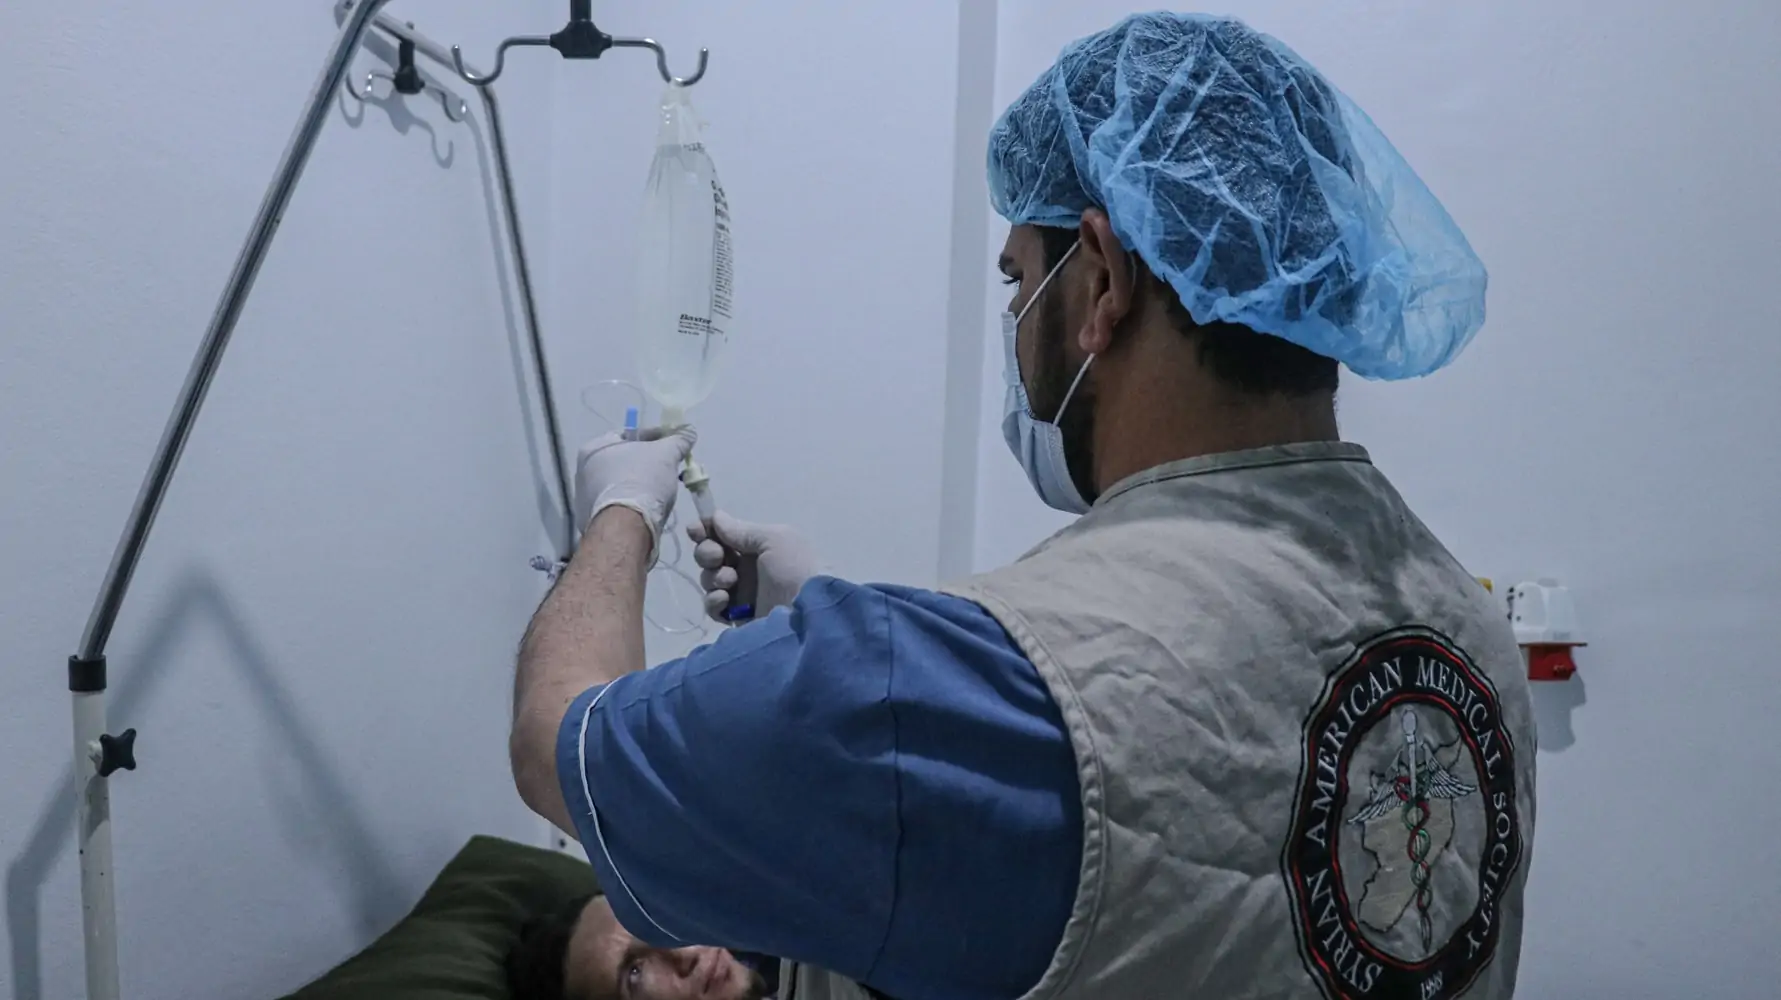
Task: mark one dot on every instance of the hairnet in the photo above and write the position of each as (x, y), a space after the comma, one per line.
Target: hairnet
(1259, 192)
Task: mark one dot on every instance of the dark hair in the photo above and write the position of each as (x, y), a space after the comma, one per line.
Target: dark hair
(537, 964)
(1251, 362)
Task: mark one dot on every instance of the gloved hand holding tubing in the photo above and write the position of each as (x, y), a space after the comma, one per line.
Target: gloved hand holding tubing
(641, 473)
(780, 558)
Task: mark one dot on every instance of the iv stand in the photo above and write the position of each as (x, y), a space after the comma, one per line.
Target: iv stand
(97, 753)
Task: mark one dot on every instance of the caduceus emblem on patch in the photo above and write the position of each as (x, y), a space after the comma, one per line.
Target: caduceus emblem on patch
(1406, 823)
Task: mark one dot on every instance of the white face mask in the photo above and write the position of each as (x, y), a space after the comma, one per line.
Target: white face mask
(1038, 445)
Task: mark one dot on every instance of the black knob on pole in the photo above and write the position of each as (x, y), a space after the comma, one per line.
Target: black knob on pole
(117, 752)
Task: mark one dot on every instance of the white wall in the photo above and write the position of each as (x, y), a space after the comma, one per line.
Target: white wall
(1613, 425)
(318, 646)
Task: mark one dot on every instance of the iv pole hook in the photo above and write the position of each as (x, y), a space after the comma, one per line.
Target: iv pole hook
(457, 59)
(580, 39)
(662, 60)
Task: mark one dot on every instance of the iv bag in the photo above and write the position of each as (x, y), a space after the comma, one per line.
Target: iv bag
(685, 273)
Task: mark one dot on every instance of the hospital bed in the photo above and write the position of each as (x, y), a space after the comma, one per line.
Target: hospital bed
(491, 886)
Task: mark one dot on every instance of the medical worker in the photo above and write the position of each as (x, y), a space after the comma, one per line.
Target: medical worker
(1245, 729)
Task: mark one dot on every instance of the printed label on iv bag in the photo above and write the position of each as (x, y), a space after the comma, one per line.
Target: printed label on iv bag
(723, 275)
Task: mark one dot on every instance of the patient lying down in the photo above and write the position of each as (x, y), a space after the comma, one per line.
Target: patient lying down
(582, 953)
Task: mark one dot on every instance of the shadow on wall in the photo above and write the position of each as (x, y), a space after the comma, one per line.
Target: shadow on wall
(353, 94)
(344, 844)
(403, 119)
(1554, 701)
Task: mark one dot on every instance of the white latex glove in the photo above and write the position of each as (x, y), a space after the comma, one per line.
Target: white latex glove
(643, 475)
(780, 559)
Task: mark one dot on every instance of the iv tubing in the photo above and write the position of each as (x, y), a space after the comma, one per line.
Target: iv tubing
(669, 560)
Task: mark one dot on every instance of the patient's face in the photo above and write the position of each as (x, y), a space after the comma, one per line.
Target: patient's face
(606, 963)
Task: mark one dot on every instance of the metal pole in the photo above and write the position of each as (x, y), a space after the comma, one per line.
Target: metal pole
(86, 670)
(546, 398)
(98, 905)
(222, 324)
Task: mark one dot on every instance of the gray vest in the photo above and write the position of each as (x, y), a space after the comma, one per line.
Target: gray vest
(1303, 735)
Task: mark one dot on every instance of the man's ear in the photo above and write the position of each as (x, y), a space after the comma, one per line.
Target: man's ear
(1107, 267)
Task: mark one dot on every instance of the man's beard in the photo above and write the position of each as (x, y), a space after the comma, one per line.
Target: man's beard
(1051, 383)
(757, 987)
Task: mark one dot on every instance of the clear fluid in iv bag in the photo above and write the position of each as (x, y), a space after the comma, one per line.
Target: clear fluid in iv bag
(685, 270)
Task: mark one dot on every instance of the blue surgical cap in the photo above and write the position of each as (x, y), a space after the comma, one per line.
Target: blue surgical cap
(1258, 191)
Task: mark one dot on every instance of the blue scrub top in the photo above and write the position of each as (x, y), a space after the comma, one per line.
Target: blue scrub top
(875, 781)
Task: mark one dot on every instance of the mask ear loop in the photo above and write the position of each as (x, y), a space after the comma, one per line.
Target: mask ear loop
(1131, 265)
(1033, 300)
(1071, 392)
(1082, 372)
(668, 559)
(1056, 269)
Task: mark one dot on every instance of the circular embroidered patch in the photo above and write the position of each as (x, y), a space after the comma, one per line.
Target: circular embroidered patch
(1405, 832)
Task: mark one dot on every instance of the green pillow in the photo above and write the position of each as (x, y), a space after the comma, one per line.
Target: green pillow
(455, 942)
